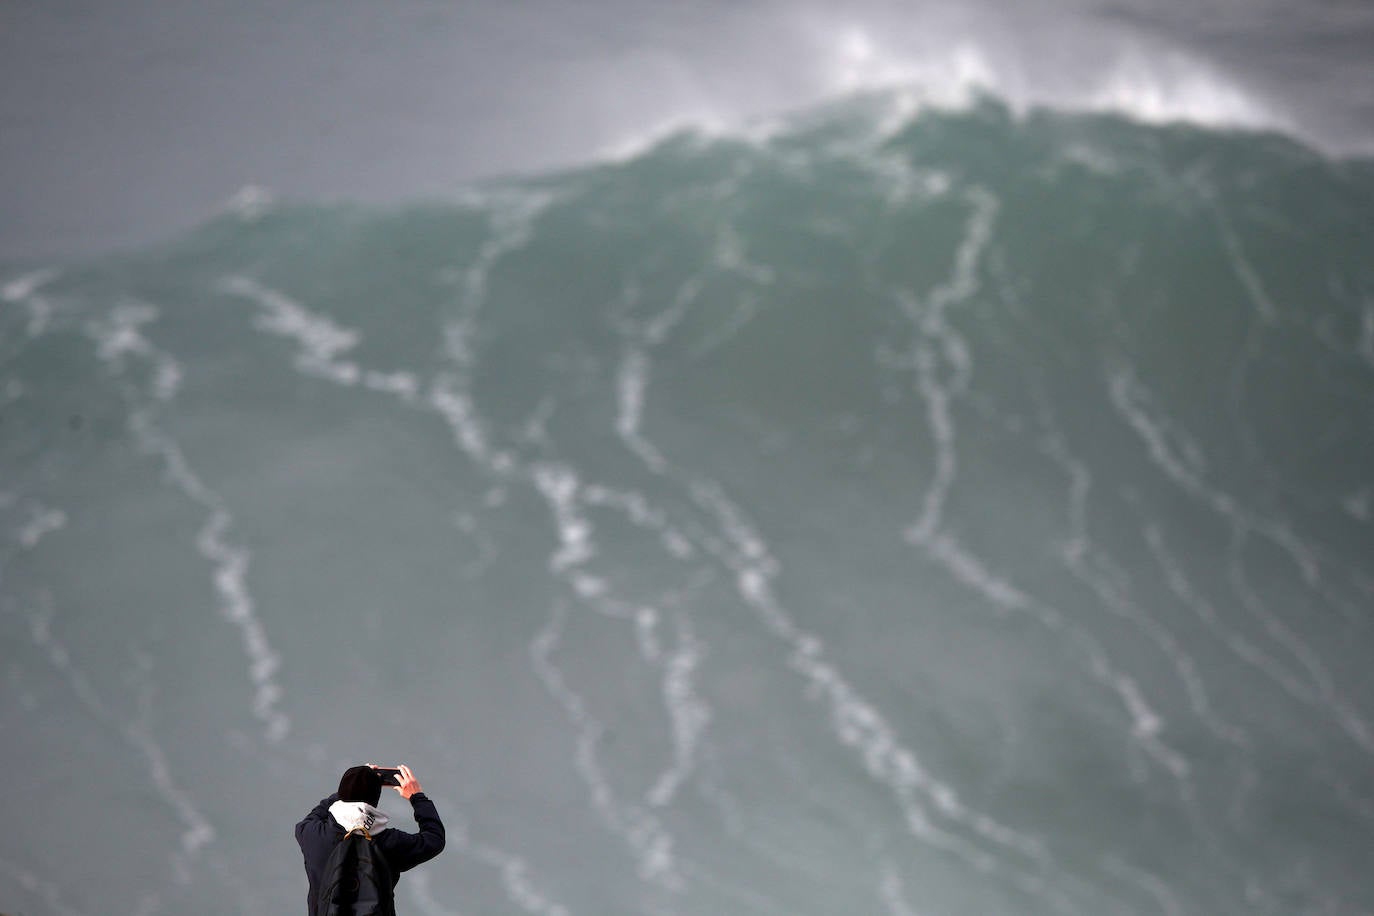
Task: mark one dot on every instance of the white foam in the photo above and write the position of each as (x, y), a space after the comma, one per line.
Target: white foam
(938, 342)
(150, 904)
(1079, 557)
(892, 892)
(649, 843)
(166, 378)
(690, 714)
(513, 215)
(1178, 455)
(230, 564)
(856, 723)
(402, 384)
(250, 202)
(119, 340)
(121, 337)
(321, 341)
(1246, 273)
(22, 287)
(646, 632)
(1360, 504)
(858, 62)
(516, 880)
(559, 485)
(521, 891)
(1158, 889)
(915, 72)
(40, 631)
(467, 523)
(23, 290)
(636, 508)
(1162, 88)
(656, 330)
(747, 308)
(418, 883)
(49, 892)
(969, 570)
(701, 123)
(42, 522)
(1135, 404)
(1179, 585)
(199, 832)
(631, 383)
(728, 255)
(1150, 85)
(454, 404)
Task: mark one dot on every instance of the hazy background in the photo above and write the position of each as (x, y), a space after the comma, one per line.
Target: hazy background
(909, 462)
(123, 122)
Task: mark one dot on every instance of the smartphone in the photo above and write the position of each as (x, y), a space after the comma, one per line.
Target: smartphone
(389, 776)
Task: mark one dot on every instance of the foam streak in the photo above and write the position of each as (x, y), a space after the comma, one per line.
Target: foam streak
(937, 343)
(650, 844)
(121, 343)
(1131, 400)
(198, 832)
(520, 888)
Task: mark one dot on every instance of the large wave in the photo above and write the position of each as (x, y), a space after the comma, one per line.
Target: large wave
(893, 510)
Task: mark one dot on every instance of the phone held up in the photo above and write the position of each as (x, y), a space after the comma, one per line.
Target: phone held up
(390, 777)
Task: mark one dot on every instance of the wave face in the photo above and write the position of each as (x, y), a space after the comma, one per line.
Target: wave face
(942, 513)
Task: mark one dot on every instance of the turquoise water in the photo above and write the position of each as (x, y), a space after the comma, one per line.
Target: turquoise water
(893, 513)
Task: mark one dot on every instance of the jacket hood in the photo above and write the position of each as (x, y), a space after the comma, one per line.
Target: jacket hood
(355, 815)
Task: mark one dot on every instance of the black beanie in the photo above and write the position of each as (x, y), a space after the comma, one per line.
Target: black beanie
(360, 784)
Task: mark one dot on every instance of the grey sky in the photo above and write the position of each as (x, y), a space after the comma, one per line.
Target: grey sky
(121, 123)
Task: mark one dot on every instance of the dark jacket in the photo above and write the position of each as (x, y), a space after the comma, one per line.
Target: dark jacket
(318, 834)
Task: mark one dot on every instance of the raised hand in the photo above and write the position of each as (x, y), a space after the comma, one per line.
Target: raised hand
(409, 784)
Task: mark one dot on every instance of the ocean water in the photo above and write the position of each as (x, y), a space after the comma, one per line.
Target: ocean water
(882, 510)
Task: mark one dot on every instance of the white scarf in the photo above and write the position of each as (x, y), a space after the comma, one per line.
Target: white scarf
(355, 815)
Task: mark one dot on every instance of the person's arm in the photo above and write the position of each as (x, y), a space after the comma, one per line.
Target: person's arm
(408, 850)
(317, 816)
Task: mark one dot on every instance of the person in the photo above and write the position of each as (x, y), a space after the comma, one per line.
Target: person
(355, 806)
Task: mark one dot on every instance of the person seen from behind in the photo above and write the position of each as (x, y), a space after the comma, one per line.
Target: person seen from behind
(354, 808)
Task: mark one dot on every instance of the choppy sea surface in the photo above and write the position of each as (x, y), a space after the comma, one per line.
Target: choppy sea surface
(881, 511)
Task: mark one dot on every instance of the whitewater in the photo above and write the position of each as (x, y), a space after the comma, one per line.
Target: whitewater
(912, 504)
